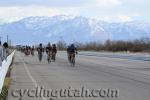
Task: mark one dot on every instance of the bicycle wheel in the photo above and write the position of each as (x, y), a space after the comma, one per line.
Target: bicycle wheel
(49, 57)
(73, 60)
(40, 57)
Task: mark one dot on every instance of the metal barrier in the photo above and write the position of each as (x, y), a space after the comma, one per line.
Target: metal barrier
(4, 68)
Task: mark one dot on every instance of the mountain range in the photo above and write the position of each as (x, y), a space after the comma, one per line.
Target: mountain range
(71, 29)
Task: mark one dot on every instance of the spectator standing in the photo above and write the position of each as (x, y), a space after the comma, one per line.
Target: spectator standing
(1, 54)
(5, 50)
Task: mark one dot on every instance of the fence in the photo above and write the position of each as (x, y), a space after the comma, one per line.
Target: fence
(4, 68)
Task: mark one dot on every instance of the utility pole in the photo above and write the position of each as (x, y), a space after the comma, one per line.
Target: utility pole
(9, 43)
(7, 39)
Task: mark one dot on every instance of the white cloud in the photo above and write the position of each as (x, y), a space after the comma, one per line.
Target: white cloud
(106, 3)
(124, 18)
(57, 3)
(107, 10)
(119, 17)
(9, 14)
(128, 17)
(15, 13)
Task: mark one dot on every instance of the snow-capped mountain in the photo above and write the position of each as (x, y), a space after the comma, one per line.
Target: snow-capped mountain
(71, 29)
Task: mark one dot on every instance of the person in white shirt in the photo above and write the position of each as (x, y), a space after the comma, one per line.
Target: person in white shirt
(1, 54)
(5, 50)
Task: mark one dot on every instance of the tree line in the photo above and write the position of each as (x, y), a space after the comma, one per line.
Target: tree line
(138, 45)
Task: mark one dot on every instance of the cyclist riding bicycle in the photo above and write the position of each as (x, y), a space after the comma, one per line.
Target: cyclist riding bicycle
(40, 52)
(71, 51)
(68, 53)
(27, 51)
(54, 51)
(49, 52)
(32, 51)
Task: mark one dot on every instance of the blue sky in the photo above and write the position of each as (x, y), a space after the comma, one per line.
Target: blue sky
(107, 10)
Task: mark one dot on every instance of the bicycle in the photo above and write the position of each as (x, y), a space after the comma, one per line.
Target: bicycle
(53, 56)
(49, 57)
(72, 59)
(32, 52)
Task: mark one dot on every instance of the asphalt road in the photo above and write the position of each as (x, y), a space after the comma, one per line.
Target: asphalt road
(130, 79)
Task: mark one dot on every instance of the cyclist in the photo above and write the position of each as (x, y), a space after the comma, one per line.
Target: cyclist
(32, 51)
(71, 50)
(40, 52)
(54, 51)
(26, 50)
(49, 52)
(68, 53)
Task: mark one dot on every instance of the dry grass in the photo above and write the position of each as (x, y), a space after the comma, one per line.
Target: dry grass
(7, 82)
(4, 92)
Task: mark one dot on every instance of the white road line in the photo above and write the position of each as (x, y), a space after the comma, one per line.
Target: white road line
(29, 74)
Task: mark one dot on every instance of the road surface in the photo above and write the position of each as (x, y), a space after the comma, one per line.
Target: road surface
(130, 78)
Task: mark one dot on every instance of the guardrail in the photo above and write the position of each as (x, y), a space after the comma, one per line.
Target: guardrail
(4, 68)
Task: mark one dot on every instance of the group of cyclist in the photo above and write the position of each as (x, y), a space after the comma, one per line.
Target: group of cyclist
(51, 51)
(28, 50)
